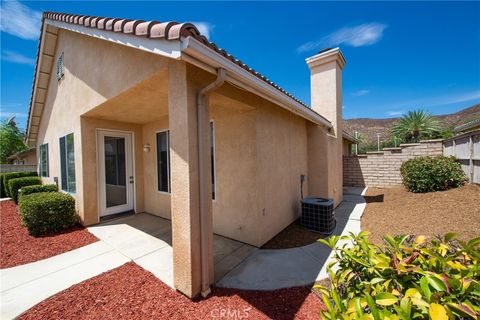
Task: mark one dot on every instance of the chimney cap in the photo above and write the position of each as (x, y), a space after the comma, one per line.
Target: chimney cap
(324, 50)
(325, 56)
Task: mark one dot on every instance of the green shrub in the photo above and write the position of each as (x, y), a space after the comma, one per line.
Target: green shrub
(407, 278)
(13, 175)
(15, 184)
(426, 174)
(47, 212)
(38, 188)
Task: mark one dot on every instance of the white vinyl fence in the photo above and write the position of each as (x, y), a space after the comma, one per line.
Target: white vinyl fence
(466, 148)
(4, 168)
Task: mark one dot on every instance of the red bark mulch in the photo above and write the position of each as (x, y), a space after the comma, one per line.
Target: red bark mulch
(18, 247)
(130, 292)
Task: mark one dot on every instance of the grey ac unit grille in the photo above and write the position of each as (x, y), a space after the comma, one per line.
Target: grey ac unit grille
(318, 215)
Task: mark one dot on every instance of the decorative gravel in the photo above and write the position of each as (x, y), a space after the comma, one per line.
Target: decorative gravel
(18, 247)
(396, 211)
(130, 292)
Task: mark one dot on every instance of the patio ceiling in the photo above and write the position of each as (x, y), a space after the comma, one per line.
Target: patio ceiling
(143, 103)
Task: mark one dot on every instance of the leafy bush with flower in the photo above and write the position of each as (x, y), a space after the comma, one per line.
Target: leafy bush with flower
(406, 278)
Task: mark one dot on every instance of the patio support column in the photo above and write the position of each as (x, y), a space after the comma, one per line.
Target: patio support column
(184, 181)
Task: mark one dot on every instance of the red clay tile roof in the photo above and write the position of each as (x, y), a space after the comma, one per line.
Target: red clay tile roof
(155, 30)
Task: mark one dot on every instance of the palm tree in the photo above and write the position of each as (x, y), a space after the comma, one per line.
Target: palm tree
(415, 125)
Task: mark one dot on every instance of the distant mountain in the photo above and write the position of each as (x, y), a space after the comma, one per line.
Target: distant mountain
(371, 127)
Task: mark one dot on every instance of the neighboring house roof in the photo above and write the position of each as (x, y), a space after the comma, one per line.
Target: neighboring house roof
(170, 31)
(21, 154)
(349, 137)
(474, 124)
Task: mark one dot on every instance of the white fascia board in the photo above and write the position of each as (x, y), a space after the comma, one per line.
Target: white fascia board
(197, 50)
(34, 93)
(166, 48)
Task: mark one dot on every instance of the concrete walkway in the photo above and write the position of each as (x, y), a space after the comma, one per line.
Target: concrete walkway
(142, 238)
(24, 286)
(283, 268)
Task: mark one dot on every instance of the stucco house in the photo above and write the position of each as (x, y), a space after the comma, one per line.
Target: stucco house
(143, 116)
(25, 157)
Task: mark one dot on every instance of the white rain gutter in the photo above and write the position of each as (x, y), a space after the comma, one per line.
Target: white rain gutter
(200, 55)
(202, 114)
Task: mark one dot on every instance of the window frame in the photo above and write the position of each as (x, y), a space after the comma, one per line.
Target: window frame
(169, 186)
(47, 164)
(66, 164)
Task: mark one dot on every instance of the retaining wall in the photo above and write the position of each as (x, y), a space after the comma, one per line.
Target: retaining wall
(382, 169)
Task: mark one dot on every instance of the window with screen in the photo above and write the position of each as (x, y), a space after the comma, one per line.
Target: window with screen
(67, 163)
(163, 161)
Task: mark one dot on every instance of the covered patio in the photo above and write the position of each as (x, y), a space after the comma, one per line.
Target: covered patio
(147, 240)
(147, 150)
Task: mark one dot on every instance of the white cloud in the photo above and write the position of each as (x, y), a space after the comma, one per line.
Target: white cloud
(17, 58)
(360, 93)
(394, 113)
(358, 36)
(205, 28)
(19, 20)
(439, 100)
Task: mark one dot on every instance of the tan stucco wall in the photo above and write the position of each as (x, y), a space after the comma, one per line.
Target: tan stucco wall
(347, 147)
(95, 71)
(282, 157)
(31, 158)
(156, 202)
(235, 210)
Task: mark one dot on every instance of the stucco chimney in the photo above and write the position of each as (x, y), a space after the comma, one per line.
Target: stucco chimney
(326, 85)
(325, 154)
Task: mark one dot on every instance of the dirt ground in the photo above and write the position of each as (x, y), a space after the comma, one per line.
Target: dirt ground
(396, 211)
(130, 292)
(293, 236)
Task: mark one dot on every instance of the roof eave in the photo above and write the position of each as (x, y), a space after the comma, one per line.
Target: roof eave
(239, 76)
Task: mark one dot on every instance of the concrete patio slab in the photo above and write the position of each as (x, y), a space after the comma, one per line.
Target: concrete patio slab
(146, 239)
(160, 263)
(283, 268)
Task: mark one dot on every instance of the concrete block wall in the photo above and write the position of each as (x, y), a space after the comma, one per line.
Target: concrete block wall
(382, 169)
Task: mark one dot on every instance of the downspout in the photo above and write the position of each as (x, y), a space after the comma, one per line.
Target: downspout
(202, 114)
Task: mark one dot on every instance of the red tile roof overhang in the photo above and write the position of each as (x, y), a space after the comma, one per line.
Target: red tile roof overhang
(177, 41)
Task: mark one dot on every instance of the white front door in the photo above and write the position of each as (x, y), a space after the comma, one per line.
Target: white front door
(115, 171)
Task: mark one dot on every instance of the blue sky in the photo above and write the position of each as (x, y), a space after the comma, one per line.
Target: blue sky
(400, 55)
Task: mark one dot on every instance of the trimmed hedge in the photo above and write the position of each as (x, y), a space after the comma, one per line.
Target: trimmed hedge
(15, 184)
(47, 212)
(426, 174)
(38, 188)
(12, 175)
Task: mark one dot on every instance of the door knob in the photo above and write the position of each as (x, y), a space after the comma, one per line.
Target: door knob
(131, 179)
